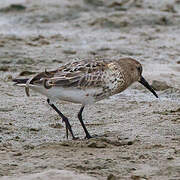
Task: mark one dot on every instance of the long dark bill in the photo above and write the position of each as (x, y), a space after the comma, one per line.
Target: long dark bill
(146, 84)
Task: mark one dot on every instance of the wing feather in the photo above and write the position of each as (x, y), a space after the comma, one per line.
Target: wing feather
(79, 74)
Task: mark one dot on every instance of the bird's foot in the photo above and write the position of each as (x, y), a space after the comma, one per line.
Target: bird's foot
(75, 138)
(88, 136)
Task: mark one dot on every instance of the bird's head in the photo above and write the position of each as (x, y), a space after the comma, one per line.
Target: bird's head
(136, 74)
(141, 79)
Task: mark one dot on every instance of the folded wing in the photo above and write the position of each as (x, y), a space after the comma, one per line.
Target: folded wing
(82, 74)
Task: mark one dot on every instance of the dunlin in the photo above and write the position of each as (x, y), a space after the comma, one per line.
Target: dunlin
(85, 82)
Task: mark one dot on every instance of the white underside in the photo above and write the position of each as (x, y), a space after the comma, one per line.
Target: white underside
(68, 94)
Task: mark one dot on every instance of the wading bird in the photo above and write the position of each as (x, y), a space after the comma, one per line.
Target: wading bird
(85, 82)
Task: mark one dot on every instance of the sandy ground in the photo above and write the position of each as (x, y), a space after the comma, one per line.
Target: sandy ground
(139, 134)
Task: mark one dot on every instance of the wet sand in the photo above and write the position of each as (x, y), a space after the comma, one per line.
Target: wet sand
(139, 135)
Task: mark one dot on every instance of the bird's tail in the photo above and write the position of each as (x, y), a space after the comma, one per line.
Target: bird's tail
(20, 82)
(29, 82)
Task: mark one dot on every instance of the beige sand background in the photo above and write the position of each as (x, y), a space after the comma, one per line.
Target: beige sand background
(139, 134)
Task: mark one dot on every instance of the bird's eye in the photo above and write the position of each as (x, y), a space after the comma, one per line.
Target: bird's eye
(139, 69)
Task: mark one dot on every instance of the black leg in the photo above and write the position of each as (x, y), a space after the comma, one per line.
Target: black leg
(88, 136)
(64, 118)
